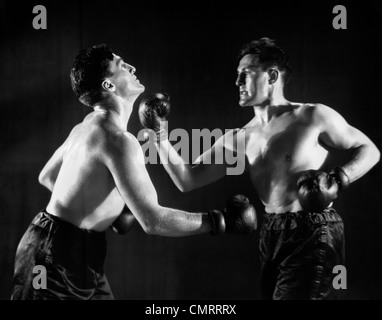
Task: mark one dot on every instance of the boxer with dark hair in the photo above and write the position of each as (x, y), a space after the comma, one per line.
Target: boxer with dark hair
(286, 145)
(97, 173)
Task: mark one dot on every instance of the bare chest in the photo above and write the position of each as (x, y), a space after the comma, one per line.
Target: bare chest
(284, 147)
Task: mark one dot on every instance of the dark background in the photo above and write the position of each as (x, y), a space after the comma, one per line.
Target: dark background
(188, 50)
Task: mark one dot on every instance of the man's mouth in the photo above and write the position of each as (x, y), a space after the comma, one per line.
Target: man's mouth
(243, 93)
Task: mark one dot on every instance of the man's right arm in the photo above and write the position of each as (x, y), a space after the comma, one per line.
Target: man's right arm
(124, 158)
(187, 176)
(153, 111)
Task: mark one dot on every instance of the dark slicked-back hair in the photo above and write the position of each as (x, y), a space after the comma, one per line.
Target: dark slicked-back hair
(89, 69)
(268, 55)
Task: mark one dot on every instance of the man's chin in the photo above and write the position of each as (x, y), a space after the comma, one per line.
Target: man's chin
(243, 103)
(141, 89)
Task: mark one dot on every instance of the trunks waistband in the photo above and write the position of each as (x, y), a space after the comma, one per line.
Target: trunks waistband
(47, 220)
(291, 219)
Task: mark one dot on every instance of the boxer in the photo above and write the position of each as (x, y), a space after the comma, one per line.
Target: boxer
(96, 174)
(286, 144)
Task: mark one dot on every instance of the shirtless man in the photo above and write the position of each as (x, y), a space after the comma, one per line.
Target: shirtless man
(97, 172)
(286, 144)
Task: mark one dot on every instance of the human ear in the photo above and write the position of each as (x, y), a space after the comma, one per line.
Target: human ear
(273, 75)
(108, 86)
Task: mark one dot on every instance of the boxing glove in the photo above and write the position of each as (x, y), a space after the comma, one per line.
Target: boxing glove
(153, 111)
(124, 222)
(318, 189)
(238, 217)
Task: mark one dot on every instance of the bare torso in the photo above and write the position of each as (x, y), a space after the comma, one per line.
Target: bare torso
(277, 152)
(84, 192)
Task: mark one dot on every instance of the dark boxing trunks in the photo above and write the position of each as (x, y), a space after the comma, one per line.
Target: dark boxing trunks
(73, 259)
(298, 251)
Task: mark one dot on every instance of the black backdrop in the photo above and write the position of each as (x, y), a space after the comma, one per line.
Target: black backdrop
(187, 49)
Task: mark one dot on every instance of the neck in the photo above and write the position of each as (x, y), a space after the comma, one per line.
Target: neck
(120, 108)
(265, 111)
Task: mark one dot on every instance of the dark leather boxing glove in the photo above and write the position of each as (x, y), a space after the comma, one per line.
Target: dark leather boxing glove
(318, 189)
(124, 222)
(153, 111)
(238, 217)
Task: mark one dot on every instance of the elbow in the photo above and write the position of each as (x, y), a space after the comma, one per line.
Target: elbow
(45, 180)
(185, 185)
(149, 227)
(184, 179)
(184, 188)
(151, 224)
(377, 155)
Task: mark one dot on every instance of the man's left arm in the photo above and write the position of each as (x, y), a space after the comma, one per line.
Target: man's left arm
(337, 133)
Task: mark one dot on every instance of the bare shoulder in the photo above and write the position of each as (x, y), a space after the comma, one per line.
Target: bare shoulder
(106, 137)
(316, 112)
(116, 141)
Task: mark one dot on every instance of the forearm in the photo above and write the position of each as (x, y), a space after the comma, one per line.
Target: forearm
(239, 217)
(362, 160)
(187, 176)
(177, 223)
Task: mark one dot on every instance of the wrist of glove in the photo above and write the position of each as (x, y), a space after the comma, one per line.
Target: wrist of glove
(217, 222)
(161, 135)
(155, 137)
(239, 217)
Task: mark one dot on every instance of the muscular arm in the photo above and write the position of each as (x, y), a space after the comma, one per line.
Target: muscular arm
(211, 166)
(337, 133)
(49, 173)
(124, 158)
(187, 176)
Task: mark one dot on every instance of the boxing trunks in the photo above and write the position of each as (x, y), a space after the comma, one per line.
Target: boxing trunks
(298, 251)
(73, 259)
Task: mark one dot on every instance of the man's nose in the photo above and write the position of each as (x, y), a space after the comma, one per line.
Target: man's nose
(240, 80)
(132, 69)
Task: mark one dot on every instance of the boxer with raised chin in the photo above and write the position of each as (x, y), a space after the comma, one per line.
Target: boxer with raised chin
(95, 175)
